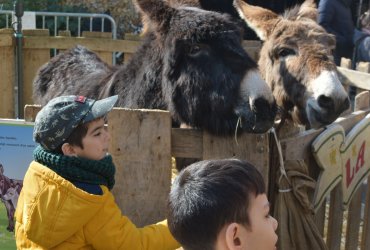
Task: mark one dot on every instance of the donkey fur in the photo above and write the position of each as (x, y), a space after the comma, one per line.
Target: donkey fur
(295, 60)
(191, 63)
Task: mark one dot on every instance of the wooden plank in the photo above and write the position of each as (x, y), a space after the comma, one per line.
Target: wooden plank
(6, 40)
(94, 44)
(66, 33)
(252, 43)
(133, 37)
(254, 53)
(30, 112)
(187, 143)
(365, 241)
(6, 31)
(6, 37)
(362, 100)
(251, 147)
(36, 32)
(108, 45)
(365, 100)
(141, 149)
(346, 63)
(353, 221)
(7, 74)
(96, 34)
(105, 56)
(253, 48)
(33, 59)
(354, 212)
(363, 67)
(335, 222)
(354, 78)
(320, 218)
(299, 147)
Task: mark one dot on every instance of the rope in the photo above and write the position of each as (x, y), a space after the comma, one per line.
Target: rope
(236, 129)
(281, 163)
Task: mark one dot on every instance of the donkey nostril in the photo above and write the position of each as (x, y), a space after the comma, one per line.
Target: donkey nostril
(265, 110)
(326, 102)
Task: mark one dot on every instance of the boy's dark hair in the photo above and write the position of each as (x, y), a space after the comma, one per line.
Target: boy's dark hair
(75, 138)
(206, 196)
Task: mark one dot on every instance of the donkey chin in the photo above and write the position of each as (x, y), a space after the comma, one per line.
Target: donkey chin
(320, 115)
(257, 116)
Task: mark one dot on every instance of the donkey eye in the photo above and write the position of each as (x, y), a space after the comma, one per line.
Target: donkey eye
(195, 50)
(284, 52)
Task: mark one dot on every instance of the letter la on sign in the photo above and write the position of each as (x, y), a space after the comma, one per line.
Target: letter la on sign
(342, 158)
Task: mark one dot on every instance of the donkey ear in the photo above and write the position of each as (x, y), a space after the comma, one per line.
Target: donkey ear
(261, 20)
(308, 10)
(155, 13)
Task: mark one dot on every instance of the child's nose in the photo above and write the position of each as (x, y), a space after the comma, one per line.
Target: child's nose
(274, 223)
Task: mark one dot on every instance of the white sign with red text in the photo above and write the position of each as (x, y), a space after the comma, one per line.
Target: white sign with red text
(342, 158)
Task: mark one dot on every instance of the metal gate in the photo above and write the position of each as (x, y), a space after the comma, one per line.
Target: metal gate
(13, 19)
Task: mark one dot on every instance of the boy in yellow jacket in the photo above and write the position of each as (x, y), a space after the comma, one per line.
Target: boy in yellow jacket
(66, 201)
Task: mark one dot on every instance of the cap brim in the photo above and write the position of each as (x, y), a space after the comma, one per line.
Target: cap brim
(100, 108)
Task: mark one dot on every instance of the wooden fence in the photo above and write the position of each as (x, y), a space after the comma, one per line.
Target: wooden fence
(143, 143)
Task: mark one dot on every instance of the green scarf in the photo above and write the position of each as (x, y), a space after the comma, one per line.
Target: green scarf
(78, 169)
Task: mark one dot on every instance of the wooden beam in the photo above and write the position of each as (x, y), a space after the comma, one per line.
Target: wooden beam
(101, 44)
(6, 37)
(7, 74)
(354, 78)
(141, 149)
(187, 143)
(299, 146)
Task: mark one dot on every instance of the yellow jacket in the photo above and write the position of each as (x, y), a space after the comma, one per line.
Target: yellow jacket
(53, 213)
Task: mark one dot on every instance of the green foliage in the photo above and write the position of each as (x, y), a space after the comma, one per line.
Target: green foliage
(29, 5)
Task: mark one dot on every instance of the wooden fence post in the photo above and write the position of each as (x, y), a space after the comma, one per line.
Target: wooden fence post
(365, 239)
(63, 33)
(141, 148)
(354, 210)
(105, 56)
(33, 59)
(7, 73)
(130, 37)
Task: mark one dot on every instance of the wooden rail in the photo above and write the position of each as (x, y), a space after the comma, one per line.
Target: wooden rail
(142, 145)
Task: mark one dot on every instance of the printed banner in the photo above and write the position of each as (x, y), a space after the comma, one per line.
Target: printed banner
(16, 147)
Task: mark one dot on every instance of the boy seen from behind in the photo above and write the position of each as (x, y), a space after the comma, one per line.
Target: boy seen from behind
(66, 201)
(221, 205)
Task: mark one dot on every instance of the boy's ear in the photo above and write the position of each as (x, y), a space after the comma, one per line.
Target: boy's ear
(68, 149)
(234, 240)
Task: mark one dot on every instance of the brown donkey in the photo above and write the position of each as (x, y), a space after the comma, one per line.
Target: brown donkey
(296, 61)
